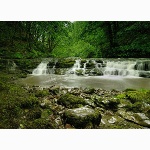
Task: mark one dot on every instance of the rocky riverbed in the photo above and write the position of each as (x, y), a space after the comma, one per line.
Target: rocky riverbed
(35, 107)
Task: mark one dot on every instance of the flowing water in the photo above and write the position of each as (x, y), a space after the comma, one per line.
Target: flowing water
(107, 74)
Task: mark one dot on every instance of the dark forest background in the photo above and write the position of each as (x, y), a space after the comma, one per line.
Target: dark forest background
(108, 39)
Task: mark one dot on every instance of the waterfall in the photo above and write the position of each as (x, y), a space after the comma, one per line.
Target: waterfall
(75, 67)
(98, 67)
(41, 69)
(121, 68)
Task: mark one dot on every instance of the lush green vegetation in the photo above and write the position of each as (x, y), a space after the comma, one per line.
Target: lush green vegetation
(34, 39)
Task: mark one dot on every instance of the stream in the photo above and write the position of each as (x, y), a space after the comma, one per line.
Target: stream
(106, 74)
(104, 82)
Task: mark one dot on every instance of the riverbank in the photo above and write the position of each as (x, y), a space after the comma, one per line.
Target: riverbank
(34, 107)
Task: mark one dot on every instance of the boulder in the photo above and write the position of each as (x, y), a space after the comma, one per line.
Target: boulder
(89, 90)
(82, 117)
(71, 101)
(138, 118)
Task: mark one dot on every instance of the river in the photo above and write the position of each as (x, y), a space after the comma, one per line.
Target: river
(109, 74)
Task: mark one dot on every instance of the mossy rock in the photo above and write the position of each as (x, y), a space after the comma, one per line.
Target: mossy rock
(46, 113)
(29, 102)
(96, 72)
(109, 104)
(82, 117)
(71, 101)
(40, 123)
(65, 63)
(138, 118)
(99, 61)
(90, 65)
(89, 90)
(42, 93)
(33, 113)
(60, 71)
(79, 72)
(54, 90)
(140, 95)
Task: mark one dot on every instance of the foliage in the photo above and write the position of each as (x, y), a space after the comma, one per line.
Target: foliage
(36, 39)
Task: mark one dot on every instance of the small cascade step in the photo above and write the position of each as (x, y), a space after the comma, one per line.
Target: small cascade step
(41, 69)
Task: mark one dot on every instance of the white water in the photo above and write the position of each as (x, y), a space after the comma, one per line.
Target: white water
(105, 68)
(117, 68)
(116, 74)
(41, 69)
(121, 68)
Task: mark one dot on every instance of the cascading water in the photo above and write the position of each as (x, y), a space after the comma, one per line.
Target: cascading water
(103, 73)
(108, 68)
(93, 67)
(75, 67)
(41, 69)
(121, 68)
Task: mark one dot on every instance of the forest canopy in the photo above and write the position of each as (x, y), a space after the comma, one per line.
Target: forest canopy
(107, 39)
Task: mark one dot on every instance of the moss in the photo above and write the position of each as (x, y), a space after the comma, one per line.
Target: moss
(65, 63)
(71, 101)
(82, 117)
(40, 123)
(46, 113)
(140, 95)
(16, 104)
(42, 93)
(121, 96)
(138, 107)
(33, 113)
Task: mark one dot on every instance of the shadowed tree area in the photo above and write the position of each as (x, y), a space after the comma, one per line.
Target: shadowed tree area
(34, 39)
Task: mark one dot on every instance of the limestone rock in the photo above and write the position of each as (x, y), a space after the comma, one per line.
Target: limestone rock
(138, 118)
(82, 117)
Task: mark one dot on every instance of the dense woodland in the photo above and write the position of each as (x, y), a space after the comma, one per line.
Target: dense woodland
(34, 39)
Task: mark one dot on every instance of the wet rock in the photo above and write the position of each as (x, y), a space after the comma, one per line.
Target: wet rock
(144, 74)
(99, 61)
(79, 72)
(138, 118)
(144, 65)
(82, 117)
(90, 65)
(112, 120)
(90, 103)
(54, 90)
(71, 101)
(65, 63)
(96, 72)
(106, 103)
(89, 90)
(60, 71)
